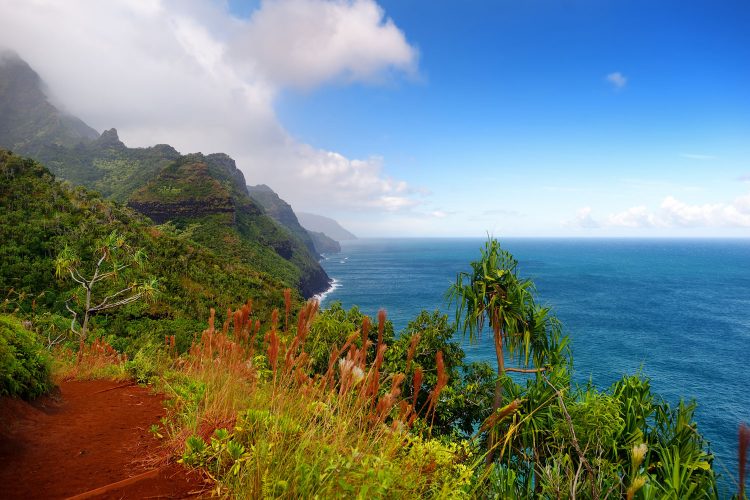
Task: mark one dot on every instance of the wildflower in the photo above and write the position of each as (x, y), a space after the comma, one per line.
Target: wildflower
(638, 453)
(637, 483)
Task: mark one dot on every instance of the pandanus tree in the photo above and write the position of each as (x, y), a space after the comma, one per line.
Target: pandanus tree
(104, 281)
(494, 294)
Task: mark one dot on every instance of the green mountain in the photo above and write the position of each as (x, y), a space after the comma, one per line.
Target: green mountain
(207, 195)
(281, 212)
(106, 164)
(31, 125)
(324, 244)
(39, 216)
(27, 119)
(192, 190)
(321, 224)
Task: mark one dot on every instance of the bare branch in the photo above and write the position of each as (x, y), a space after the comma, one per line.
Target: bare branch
(98, 265)
(73, 320)
(122, 302)
(78, 279)
(110, 297)
(108, 274)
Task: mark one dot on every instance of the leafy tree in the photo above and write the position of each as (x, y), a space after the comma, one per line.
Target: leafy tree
(103, 285)
(494, 293)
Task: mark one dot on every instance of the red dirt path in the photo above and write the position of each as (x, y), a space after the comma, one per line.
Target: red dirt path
(87, 436)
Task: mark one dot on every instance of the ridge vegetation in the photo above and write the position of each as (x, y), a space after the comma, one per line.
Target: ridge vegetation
(189, 190)
(292, 401)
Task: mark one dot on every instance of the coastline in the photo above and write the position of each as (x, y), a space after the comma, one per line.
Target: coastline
(320, 297)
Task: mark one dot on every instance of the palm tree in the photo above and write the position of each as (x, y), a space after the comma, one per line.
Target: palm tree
(494, 293)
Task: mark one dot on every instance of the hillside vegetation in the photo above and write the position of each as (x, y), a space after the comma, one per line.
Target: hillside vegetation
(24, 363)
(157, 180)
(40, 216)
(283, 401)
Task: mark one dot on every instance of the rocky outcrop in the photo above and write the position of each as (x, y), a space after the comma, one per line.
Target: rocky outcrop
(161, 212)
(210, 192)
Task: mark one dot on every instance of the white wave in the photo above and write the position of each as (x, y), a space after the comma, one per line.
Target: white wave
(321, 297)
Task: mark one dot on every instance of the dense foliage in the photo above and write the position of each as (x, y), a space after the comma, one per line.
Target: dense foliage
(24, 364)
(333, 403)
(40, 217)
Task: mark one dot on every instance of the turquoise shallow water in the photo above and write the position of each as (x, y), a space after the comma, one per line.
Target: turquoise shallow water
(678, 310)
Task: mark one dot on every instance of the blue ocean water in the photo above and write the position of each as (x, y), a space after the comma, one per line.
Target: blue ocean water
(678, 311)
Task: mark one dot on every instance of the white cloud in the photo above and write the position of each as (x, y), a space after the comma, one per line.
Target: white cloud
(633, 217)
(617, 79)
(189, 74)
(735, 214)
(584, 218)
(305, 43)
(673, 213)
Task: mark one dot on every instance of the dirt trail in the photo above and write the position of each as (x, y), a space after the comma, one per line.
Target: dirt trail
(84, 439)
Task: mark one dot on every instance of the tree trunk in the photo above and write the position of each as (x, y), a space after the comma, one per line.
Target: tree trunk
(84, 328)
(498, 400)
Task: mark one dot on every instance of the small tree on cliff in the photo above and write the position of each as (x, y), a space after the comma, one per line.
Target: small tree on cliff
(493, 292)
(105, 285)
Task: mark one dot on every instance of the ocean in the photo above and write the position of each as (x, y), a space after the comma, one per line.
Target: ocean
(674, 310)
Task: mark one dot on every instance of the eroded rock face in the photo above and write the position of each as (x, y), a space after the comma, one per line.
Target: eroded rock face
(161, 212)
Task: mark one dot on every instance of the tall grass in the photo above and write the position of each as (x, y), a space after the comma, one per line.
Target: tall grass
(250, 412)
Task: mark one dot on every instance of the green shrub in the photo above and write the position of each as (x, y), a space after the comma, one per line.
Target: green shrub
(24, 364)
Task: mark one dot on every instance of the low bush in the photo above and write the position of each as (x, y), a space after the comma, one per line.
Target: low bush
(24, 363)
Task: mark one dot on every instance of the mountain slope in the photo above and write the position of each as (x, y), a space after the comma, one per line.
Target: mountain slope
(324, 244)
(207, 195)
(106, 164)
(28, 120)
(31, 125)
(196, 189)
(39, 216)
(321, 224)
(280, 211)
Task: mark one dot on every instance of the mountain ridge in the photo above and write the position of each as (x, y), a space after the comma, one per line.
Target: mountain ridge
(321, 224)
(206, 191)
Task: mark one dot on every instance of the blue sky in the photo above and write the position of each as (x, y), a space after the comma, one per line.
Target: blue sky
(511, 111)
(429, 118)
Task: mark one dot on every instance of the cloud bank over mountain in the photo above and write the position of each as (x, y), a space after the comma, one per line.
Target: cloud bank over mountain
(191, 74)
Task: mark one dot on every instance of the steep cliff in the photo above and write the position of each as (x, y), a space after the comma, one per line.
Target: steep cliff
(324, 244)
(321, 224)
(281, 211)
(28, 121)
(207, 196)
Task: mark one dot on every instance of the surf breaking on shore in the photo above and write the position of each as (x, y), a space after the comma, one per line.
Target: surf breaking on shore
(321, 297)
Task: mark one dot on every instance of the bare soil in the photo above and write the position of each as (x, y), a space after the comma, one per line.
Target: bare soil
(90, 439)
